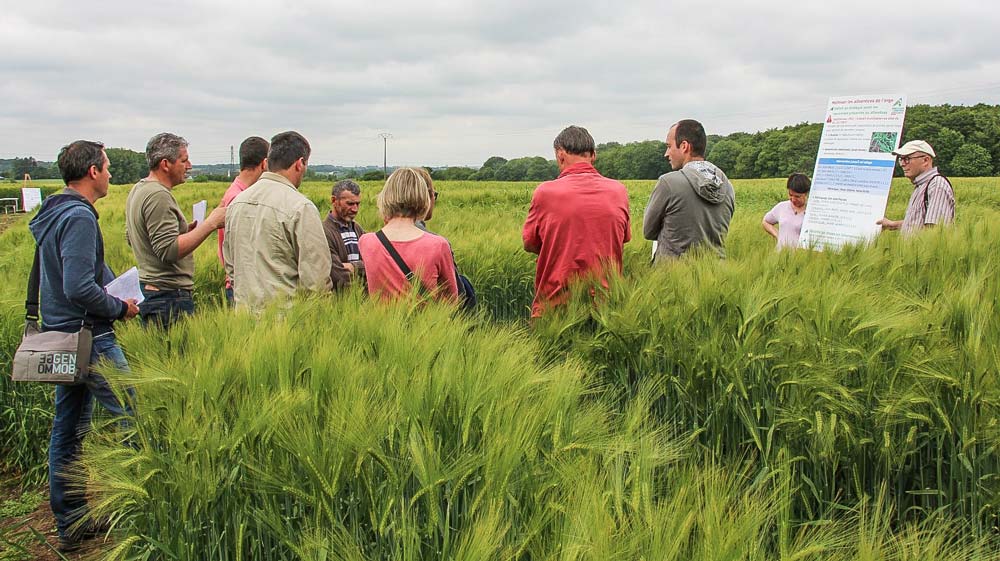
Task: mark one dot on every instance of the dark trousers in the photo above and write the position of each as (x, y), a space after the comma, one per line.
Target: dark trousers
(74, 408)
(164, 307)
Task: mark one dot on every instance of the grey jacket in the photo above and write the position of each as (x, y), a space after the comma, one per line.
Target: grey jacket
(689, 207)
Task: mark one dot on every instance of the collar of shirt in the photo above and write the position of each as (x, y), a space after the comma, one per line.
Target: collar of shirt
(925, 177)
(340, 222)
(76, 194)
(279, 178)
(579, 167)
(239, 184)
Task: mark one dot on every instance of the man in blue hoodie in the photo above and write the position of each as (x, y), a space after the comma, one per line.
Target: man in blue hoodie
(73, 275)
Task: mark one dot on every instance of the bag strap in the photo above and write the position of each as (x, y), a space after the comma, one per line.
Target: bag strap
(395, 255)
(927, 190)
(34, 288)
(399, 260)
(35, 281)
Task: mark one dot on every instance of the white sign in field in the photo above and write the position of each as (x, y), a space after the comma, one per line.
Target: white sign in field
(854, 165)
(31, 197)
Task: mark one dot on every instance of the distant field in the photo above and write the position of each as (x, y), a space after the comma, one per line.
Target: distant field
(834, 406)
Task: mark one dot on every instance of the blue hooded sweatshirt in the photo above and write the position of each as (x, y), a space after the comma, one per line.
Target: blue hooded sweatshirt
(71, 266)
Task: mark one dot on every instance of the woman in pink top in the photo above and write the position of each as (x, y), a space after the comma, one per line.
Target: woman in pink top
(404, 200)
(788, 215)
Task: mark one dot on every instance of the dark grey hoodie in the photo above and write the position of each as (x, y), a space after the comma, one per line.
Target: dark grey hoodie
(71, 263)
(689, 207)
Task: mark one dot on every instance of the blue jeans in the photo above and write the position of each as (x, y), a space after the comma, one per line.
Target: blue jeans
(74, 407)
(164, 307)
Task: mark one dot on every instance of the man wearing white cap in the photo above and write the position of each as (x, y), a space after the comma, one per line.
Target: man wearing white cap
(933, 199)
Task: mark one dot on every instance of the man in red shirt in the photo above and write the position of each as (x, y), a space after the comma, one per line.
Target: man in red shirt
(577, 224)
(253, 164)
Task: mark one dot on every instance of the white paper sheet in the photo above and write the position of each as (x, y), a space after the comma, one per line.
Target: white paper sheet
(126, 286)
(199, 211)
(31, 197)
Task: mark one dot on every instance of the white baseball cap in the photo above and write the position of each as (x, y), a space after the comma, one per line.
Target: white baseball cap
(915, 146)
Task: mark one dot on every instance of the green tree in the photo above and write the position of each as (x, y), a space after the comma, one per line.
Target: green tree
(724, 154)
(32, 167)
(453, 174)
(127, 166)
(747, 160)
(635, 160)
(489, 169)
(647, 160)
(946, 145)
(799, 151)
(540, 169)
(972, 160)
(513, 170)
(609, 159)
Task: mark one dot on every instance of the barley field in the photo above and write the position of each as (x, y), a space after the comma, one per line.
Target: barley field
(787, 406)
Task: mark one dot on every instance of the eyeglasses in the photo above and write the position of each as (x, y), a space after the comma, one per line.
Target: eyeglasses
(906, 159)
(434, 195)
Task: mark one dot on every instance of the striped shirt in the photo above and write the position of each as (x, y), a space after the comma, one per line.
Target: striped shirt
(350, 238)
(932, 202)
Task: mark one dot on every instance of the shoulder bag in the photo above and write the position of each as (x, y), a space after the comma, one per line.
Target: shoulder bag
(50, 356)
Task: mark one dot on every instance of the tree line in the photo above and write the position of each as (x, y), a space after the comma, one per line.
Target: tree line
(966, 139)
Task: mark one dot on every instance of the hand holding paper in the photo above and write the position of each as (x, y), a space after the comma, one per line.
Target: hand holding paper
(126, 286)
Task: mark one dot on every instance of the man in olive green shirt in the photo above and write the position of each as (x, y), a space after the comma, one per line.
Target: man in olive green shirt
(160, 236)
(275, 245)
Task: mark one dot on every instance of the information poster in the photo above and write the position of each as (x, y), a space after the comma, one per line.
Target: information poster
(854, 165)
(31, 197)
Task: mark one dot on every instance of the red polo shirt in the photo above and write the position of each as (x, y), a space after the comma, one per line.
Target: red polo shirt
(580, 221)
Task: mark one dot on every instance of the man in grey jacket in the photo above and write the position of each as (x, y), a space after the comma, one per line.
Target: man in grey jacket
(691, 205)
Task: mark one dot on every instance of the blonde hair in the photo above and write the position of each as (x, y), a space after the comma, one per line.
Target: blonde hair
(405, 194)
(426, 175)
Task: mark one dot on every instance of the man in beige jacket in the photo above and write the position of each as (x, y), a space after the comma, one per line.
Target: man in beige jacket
(275, 245)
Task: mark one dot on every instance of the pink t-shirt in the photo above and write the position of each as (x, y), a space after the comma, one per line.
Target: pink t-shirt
(789, 223)
(428, 256)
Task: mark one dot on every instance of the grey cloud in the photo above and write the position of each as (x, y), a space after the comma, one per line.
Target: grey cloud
(457, 82)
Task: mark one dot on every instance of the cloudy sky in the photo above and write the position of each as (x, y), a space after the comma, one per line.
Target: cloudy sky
(457, 82)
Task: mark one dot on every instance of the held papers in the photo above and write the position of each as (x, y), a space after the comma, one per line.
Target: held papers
(198, 211)
(126, 286)
(850, 187)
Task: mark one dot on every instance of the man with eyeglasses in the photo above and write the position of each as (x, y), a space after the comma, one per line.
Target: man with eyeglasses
(933, 199)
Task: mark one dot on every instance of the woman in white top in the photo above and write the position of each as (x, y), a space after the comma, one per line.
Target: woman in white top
(788, 215)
